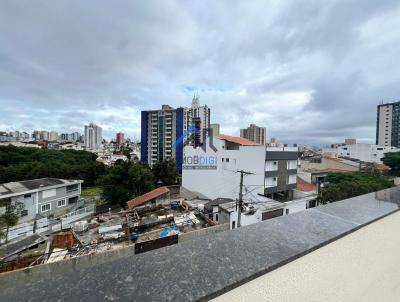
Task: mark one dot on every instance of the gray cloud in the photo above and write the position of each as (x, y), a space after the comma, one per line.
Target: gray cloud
(311, 72)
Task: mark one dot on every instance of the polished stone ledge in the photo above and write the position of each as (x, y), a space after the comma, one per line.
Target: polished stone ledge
(202, 268)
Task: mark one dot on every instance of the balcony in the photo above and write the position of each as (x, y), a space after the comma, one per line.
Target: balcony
(344, 251)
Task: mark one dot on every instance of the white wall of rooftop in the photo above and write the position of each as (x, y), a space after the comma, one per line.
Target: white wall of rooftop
(220, 179)
(215, 175)
(366, 152)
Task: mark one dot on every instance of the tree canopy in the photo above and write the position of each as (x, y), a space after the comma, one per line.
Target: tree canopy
(20, 163)
(126, 180)
(346, 185)
(121, 182)
(10, 216)
(392, 160)
(165, 172)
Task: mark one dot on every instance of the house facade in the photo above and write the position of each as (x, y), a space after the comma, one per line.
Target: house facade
(213, 171)
(44, 197)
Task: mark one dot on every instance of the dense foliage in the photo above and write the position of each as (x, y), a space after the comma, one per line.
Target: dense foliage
(19, 163)
(345, 185)
(126, 180)
(392, 160)
(165, 172)
(120, 183)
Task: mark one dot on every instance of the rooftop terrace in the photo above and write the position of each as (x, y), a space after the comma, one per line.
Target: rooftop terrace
(207, 267)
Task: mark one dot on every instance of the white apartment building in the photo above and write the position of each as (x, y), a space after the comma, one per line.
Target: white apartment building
(365, 152)
(93, 137)
(53, 136)
(387, 124)
(199, 116)
(213, 172)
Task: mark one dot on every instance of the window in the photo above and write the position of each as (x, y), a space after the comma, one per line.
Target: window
(49, 193)
(287, 211)
(24, 213)
(45, 207)
(227, 160)
(379, 149)
(275, 163)
(216, 217)
(222, 159)
(27, 196)
(233, 224)
(61, 203)
(72, 188)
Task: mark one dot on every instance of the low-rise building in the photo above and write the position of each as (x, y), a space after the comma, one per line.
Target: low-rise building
(225, 210)
(213, 170)
(111, 159)
(158, 196)
(329, 164)
(42, 196)
(366, 152)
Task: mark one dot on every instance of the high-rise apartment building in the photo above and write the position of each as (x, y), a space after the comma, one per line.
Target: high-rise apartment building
(254, 133)
(44, 135)
(160, 130)
(53, 136)
(93, 137)
(350, 141)
(199, 117)
(165, 132)
(120, 138)
(215, 129)
(36, 135)
(388, 124)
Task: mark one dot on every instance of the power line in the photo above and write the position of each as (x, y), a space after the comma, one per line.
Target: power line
(242, 173)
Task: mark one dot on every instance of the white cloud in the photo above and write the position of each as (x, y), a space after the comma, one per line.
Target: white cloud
(310, 73)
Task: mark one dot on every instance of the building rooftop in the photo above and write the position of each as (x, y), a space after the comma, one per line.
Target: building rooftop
(203, 268)
(304, 186)
(238, 140)
(147, 197)
(34, 184)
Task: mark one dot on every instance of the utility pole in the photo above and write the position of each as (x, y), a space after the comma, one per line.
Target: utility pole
(242, 173)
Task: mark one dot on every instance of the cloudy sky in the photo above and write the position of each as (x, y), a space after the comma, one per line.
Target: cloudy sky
(312, 72)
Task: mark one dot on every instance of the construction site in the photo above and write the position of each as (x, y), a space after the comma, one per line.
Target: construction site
(144, 228)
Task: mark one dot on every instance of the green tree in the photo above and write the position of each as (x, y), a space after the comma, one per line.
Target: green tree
(9, 218)
(126, 151)
(165, 172)
(346, 185)
(126, 180)
(392, 160)
(20, 163)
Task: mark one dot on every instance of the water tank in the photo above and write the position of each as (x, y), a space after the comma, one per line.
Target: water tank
(80, 226)
(134, 236)
(200, 207)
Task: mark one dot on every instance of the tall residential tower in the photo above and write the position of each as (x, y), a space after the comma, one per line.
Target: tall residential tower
(254, 133)
(93, 137)
(388, 124)
(165, 132)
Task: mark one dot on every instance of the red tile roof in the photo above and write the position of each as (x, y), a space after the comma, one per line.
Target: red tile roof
(147, 197)
(304, 186)
(238, 140)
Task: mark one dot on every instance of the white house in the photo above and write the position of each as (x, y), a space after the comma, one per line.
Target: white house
(366, 152)
(259, 209)
(213, 172)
